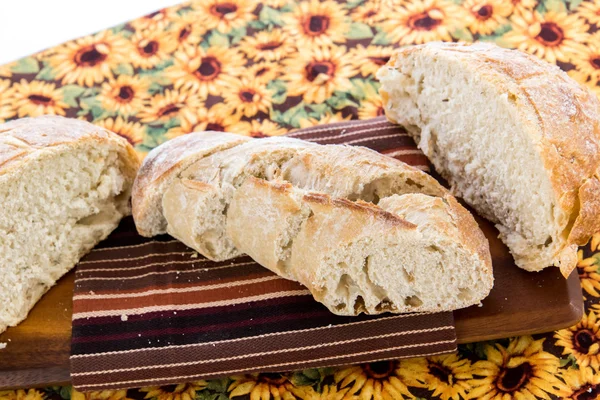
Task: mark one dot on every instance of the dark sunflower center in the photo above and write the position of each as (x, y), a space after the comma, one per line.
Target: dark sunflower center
(213, 126)
(209, 68)
(380, 369)
(89, 56)
(583, 340)
(39, 99)
(261, 71)
(268, 46)
(272, 378)
(512, 379)
(154, 14)
(550, 34)
(319, 67)
(126, 93)
(370, 13)
(423, 22)
(380, 111)
(595, 61)
(316, 25)
(184, 33)
(440, 372)
(379, 60)
(223, 9)
(484, 12)
(150, 49)
(587, 392)
(168, 110)
(168, 388)
(247, 95)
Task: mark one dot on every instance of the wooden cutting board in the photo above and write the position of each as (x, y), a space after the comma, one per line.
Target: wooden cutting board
(37, 352)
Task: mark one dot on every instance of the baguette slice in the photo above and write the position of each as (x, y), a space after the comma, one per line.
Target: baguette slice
(162, 165)
(64, 186)
(515, 137)
(414, 253)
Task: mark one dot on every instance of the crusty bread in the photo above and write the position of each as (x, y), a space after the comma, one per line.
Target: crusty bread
(308, 212)
(515, 137)
(64, 186)
(161, 167)
(414, 253)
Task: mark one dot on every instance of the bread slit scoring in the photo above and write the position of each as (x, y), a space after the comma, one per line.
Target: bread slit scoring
(332, 218)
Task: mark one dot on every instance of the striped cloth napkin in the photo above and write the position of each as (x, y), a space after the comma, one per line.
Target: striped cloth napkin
(153, 312)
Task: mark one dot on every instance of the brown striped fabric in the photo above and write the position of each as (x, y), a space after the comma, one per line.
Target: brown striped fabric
(154, 312)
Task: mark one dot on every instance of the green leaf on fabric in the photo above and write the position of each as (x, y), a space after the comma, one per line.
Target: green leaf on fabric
(47, 73)
(362, 88)
(27, 65)
(88, 102)
(359, 30)
(381, 38)
(172, 123)
(163, 64)
(155, 136)
(573, 4)
(65, 392)
(354, 3)
(218, 385)
(100, 113)
(318, 110)
(123, 69)
(154, 88)
(118, 28)
(217, 39)
(340, 100)
(278, 90)
(270, 16)
(557, 6)
(258, 25)
(70, 94)
(463, 34)
(302, 379)
(237, 34)
(292, 116)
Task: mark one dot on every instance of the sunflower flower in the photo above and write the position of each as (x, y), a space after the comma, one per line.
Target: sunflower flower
(224, 15)
(155, 20)
(581, 383)
(488, 15)
(370, 12)
(264, 71)
(89, 60)
(150, 48)
(314, 74)
(590, 10)
(257, 128)
(325, 119)
(183, 391)
(171, 104)
(205, 71)
(266, 386)
(248, 97)
(377, 380)
(588, 273)
(422, 21)
(125, 95)
(35, 98)
(552, 36)
(317, 23)
(6, 110)
(271, 45)
(582, 341)
(369, 59)
(21, 394)
(186, 31)
(219, 118)
(523, 370)
(132, 131)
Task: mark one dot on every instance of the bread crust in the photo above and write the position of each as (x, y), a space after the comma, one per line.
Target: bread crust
(561, 119)
(26, 139)
(164, 164)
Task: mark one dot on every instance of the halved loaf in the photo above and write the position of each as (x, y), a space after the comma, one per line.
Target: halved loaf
(64, 186)
(515, 137)
(310, 210)
(414, 253)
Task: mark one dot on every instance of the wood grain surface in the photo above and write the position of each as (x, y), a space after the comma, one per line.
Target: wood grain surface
(37, 352)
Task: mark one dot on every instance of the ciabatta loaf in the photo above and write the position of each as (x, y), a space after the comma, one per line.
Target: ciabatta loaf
(364, 232)
(64, 186)
(515, 137)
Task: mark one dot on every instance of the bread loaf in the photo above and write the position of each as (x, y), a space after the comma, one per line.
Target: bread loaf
(308, 213)
(64, 186)
(515, 137)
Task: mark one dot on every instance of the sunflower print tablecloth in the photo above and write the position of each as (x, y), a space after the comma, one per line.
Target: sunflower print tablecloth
(263, 68)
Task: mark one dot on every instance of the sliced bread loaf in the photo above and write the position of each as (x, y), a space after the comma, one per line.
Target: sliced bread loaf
(300, 209)
(515, 137)
(64, 186)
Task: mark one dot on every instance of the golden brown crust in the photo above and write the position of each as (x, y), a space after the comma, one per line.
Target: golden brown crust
(560, 117)
(164, 164)
(27, 138)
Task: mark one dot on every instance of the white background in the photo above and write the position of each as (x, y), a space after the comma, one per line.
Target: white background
(27, 26)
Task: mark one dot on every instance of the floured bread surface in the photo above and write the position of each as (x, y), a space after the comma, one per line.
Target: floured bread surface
(515, 137)
(64, 186)
(408, 254)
